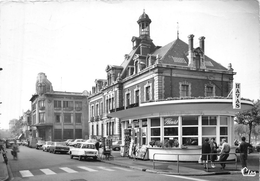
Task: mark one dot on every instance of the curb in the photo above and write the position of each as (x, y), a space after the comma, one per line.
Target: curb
(171, 173)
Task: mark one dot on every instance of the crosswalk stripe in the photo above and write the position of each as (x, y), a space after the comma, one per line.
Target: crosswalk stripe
(26, 173)
(88, 169)
(125, 169)
(69, 170)
(107, 169)
(47, 171)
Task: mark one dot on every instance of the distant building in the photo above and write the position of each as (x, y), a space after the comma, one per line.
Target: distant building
(163, 93)
(56, 115)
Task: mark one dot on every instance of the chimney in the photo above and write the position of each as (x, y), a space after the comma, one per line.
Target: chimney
(202, 43)
(190, 64)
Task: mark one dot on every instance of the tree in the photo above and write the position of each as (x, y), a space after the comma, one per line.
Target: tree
(16, 129)
(250, 117)
(240, 130)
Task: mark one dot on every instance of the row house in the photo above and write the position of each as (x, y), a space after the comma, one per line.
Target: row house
(171, 92)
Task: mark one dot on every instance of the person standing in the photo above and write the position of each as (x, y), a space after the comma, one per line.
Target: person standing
(213, 148)
(205, 149)
(243, 147)
(224, 153)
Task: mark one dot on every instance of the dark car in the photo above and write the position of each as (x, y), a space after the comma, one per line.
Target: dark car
(60, 147)
(39, 144)
(116, 145)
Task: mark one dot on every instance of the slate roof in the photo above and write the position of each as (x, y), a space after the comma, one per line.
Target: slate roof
(176, 53)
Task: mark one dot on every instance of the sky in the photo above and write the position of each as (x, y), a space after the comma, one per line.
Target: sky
(72, 42)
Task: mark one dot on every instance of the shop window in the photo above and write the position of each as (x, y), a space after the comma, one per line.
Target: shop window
(171, 131)
(57, 118)
(223, 131)
(190, 141)
(155, 132)
(223, 120)
(67, 133)
(208, 131)
(190, 120)
(171, 142)
(78, 117)
(144, 123)
(190, 131)
(78, 133)
(67, 118)
(57, 134)
(155, 122)
(209, 120)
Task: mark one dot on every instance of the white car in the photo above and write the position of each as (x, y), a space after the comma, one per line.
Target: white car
(84, 150)
(46, 146)
(73, 143)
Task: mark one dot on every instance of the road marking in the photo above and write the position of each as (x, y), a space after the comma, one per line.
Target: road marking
(26, 173)
(88, 169)
(69, 170)
(107, 169)
(188, 178)
(122, 169)
(47, 171)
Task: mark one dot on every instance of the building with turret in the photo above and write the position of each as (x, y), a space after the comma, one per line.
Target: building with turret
(163, 93)
(58, 115)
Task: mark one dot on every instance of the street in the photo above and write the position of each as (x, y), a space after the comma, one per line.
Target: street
(37, 165)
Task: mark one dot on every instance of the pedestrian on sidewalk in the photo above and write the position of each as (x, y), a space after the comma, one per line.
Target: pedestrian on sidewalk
(224, 153)
(213, 148)
(243, 147)
(205, 149)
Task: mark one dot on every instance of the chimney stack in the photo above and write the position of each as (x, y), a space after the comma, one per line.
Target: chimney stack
(202, 43)
(190, 64)
(191, 42)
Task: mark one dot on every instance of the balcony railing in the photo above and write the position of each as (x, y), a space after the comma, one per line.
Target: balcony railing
(78, 108)
(132, 105)
(68, 108)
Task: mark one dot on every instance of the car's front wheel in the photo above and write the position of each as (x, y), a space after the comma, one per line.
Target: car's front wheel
(71, 156)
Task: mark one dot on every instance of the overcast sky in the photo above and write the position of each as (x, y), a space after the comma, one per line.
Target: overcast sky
(73, 42)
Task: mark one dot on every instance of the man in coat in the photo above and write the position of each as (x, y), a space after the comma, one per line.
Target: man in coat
(205, 149)
(243, 147)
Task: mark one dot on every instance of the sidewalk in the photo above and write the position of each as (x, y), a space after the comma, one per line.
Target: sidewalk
(185, 168)
(3, 170)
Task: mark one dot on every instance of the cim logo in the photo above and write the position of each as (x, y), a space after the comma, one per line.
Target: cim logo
(171, 121)
(237, 96)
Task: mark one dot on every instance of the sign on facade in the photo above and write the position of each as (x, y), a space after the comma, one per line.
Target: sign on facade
(237, 96)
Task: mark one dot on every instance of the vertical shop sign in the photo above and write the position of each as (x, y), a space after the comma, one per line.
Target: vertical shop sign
(237, 96)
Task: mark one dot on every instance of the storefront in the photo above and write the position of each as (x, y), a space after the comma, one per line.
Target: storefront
(180, 126)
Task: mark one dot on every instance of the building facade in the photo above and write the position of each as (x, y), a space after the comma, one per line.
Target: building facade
(56, 115)
(172, 92)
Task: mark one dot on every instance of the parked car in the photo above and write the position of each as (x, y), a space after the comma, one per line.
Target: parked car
(84, 150)
(9, 143)
(39, 144)
(116, 145)
(69, 140)
(60, 147)
(18, 142)
(46, 146)
(24, 143)
(74, 142)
